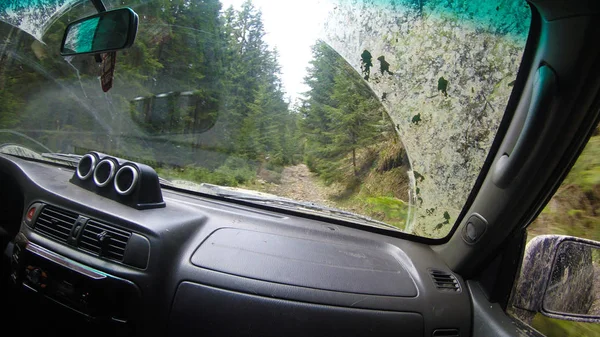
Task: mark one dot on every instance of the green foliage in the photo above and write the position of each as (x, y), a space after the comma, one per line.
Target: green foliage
(311, 162)
(199, 86)
(376, 192)
(551, 327)
(11, 104)
(355, 117)
(394, 211)
(390, 157)
(576, 213)
(574, 208)
(340, 116)
(586, 171)
(237, 168)
(198, 175)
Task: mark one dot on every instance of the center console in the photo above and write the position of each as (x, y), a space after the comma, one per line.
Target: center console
(84, 291)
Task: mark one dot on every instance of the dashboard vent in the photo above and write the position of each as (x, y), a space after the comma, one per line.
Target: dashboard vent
(104, 240)
(444, 281)
(55, 223)
(446, 333)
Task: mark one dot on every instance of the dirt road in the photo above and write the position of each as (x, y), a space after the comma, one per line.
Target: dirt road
(297, 182)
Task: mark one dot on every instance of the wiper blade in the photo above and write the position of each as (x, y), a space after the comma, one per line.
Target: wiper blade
(294, 204)
(68, 158)
(270, 199)
(165, 182)
(24, 152)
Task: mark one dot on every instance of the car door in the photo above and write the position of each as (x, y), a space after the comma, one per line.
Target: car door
(572, 211)
(551, 114)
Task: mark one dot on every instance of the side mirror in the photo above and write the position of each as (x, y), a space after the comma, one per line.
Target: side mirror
(560, 278)
(100, 33)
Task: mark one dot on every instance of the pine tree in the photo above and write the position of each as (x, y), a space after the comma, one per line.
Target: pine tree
(356, 117)
(196, 79)
(340, 115)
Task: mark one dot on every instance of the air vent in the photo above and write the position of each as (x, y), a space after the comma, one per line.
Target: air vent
(104, 240)
(55, 223)
(446, 333)
(445, 281)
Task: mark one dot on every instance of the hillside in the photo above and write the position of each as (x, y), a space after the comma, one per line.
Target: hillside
(379, 189)
(574, 210)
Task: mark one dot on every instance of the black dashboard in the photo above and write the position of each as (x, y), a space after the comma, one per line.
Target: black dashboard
(198, 264)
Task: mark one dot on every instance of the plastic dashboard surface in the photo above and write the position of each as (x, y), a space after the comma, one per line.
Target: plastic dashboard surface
(304, 263)
(221, 268)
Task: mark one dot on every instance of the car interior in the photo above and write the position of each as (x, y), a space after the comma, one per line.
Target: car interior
(106, 248)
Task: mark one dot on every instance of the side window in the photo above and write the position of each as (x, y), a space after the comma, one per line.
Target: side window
(574, 210)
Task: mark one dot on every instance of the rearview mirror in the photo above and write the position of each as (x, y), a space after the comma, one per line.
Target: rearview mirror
(560, 278)
(175, 113)
(100, 33)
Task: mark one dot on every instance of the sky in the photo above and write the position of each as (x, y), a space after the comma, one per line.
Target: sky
(293, 27)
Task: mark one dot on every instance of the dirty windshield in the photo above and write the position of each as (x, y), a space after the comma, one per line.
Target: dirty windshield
(375, 112)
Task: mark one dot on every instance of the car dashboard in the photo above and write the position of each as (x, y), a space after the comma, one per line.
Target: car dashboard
(199, 264)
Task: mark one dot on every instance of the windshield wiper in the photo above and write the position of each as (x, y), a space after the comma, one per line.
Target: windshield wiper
(297, 205)
(27, 153)
(164, 182)
(66, 158)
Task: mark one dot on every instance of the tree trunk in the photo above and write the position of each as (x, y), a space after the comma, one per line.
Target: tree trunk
(354, 161)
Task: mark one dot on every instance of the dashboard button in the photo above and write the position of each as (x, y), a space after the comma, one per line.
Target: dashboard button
(34, 276)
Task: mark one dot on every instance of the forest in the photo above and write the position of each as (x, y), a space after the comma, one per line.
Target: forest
(199, 97)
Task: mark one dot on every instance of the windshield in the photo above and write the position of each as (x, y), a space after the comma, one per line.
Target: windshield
(377, 112)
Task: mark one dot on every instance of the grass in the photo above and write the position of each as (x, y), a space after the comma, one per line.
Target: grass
(388, 209)
(551, 327)
(233, 172)
(197, 174)
(379, 189)
(574, 210)
(586, 172)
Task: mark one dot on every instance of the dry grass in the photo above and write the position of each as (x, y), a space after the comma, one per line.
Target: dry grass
(382, 171)
(575, 208)
(380, 188)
